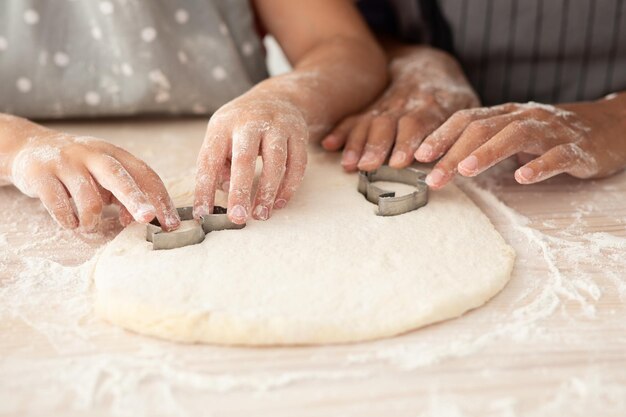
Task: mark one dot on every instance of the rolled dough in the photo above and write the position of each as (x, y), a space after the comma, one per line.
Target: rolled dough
(324, 270)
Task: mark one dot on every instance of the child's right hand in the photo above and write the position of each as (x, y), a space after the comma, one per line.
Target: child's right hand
(256, 123)
(56, 167)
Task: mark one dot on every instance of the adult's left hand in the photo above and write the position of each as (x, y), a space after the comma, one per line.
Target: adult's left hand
(427, 86)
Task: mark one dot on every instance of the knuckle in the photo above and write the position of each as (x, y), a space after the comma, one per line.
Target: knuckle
(347, 123)
(276, 148)
(568, 150)
(430, 98)
(59, 206)
(508, 107)
(464, 116)
(398, 103)
(537, 113)
(517, 126)
(478, 128)
(110, 163)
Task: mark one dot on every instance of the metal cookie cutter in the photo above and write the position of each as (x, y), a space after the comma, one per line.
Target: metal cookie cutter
(388, 203)
(192, 235)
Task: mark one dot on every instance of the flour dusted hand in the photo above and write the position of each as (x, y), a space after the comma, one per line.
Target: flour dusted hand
(58, 167)
(252, 125)
(585, 140)
(427, 86)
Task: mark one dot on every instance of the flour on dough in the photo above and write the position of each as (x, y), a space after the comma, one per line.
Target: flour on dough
(324, 270)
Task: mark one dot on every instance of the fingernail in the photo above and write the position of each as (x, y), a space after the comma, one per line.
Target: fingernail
(469, 164)
(226, 186)
(424, 152)
(397, 158)
(526, 173)
(201, 211)
(349, 158)
(435, 178)
(261, 212)
(368, 158)
(280, 203)
(239, 212)
(145, 212)
(329, 141)
(172, 221)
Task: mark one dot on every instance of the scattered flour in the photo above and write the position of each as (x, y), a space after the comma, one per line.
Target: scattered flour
(90, 365)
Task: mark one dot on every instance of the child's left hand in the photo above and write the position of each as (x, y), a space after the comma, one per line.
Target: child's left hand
(251, 125)
(584, 139)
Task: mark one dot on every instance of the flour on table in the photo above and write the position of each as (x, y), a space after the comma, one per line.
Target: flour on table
(324, 270)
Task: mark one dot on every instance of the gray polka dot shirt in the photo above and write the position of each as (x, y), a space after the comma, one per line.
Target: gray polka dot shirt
(86, 58)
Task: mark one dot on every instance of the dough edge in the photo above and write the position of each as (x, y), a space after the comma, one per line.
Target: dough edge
(214, 327)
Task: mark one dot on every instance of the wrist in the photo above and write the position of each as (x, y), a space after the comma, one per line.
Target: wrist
(618, 100)
(14, 133)
(614, 106)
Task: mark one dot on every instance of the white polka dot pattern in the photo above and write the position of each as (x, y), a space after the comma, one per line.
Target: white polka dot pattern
(73, 58)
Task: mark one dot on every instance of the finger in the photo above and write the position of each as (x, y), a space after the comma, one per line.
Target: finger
(245, 151)
(337, 138)
(353, 149)
(211, 160)
(511, 139)
(124, 216)
(105, 195)
(112, 175)
(296, 165)
(274, 153)
(412, 129)
(567, 157)
(442, 139)
(225, 176)
(84, 192)
(382, 132)
(55, 199)
(476, 134)
(152, 186)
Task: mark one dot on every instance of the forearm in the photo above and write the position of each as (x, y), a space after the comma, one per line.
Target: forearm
(334, 79)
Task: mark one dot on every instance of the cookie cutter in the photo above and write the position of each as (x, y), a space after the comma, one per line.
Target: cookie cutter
(189, 236)
(388, 203)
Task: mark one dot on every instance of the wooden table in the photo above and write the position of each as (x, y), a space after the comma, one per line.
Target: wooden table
(553, 343)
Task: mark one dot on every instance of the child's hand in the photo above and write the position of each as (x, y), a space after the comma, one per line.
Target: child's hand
(427, 86)
(585, 140)
(252, 125)
(56, 167)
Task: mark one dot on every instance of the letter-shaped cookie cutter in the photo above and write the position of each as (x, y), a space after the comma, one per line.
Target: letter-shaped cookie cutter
(191, 236)
(388, 203)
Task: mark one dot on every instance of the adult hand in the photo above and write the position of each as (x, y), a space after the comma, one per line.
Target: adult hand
(427, 86)
(585, 140)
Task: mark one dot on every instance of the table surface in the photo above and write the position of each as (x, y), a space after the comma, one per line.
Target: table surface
(553, 342)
